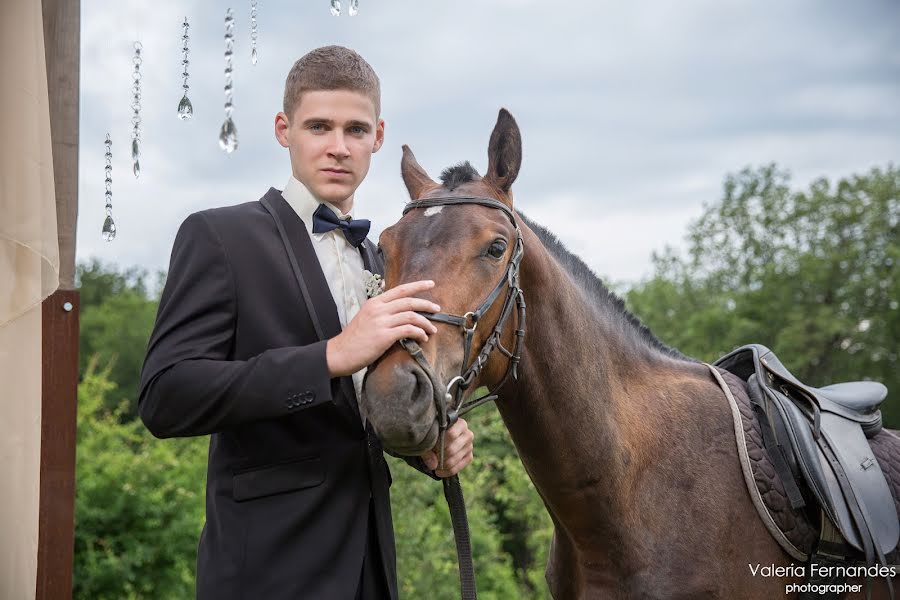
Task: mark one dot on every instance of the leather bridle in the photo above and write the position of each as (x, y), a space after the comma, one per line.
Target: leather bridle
(450, 406)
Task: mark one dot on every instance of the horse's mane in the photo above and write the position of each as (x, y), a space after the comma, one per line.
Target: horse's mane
(604, 299)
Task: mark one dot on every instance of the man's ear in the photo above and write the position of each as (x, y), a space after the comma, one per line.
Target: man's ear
(379, 136)
(282, 124)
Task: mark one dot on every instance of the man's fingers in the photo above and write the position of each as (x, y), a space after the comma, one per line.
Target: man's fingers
(406, 289)
(459, 445)
(455, 465)
(411, 318)
(430, 459)
(409, 331)
(412, 304)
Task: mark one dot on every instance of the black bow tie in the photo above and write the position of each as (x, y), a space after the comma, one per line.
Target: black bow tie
(355, 230)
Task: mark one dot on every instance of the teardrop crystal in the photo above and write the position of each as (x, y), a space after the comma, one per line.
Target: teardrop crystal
(109, 229)
(135, 150)
(228, 136)
(254, 57)
(336, 8)
(185, 109)
(354, 8)
(137, 169)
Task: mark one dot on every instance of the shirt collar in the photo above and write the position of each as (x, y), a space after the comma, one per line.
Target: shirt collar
(305, 204)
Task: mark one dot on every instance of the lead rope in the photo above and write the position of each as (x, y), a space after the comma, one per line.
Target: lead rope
(454, 495)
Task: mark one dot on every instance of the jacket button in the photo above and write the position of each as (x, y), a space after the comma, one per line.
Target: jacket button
(307, 397)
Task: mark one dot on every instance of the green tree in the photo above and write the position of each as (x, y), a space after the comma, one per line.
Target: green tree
(811, 274)
(118, 310)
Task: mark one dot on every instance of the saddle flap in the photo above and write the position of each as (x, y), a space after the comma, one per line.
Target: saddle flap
(816, 470)
(867, 481)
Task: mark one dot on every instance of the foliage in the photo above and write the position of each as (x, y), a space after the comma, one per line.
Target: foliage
(810, 274)
(117, 315)
(138, 503)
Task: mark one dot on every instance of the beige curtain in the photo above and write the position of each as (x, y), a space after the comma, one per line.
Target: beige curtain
(29, 272)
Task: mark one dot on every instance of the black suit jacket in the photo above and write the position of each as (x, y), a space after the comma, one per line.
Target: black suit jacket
(238, 351)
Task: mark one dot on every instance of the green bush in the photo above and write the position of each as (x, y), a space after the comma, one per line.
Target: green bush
(139, 503)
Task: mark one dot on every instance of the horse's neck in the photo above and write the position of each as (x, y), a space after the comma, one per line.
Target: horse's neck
(587, 404)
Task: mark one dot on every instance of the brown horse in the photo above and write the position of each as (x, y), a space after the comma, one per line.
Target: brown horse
(630, 444)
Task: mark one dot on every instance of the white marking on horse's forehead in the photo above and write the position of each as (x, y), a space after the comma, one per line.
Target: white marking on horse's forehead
(433, 210)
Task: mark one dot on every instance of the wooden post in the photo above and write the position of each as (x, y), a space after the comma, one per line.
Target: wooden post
(59, 391)
(60, 312)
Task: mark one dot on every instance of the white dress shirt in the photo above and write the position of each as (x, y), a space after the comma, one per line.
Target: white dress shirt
(341, 262)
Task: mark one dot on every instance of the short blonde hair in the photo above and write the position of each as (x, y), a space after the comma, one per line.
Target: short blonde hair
(331, 68)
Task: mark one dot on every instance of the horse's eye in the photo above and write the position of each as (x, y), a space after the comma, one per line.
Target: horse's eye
(497, 249)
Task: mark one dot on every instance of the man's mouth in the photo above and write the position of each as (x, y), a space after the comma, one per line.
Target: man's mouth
(336, 172)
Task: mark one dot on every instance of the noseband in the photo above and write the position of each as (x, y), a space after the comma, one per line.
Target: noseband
(450, 405)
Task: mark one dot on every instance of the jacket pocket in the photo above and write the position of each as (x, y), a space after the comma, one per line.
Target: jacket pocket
(277, 479)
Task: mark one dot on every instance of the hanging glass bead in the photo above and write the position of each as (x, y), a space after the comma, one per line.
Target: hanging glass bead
(185, 109)
(336, 8)
(136, 110)
(354, 8)
(254, 33)
(109, 226)
(228, 135)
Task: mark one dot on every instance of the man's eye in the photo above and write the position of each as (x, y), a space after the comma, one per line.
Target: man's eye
(317, 127)
(357, 130)
(497, 249)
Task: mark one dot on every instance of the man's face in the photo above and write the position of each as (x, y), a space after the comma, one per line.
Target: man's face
(331, 138)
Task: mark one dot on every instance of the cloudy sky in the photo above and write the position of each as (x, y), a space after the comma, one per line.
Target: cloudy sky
(631, 113)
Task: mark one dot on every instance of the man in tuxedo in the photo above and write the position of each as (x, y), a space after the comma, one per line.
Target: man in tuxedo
(262, 338)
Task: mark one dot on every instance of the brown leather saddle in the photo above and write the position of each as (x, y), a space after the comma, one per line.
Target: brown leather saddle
(817, 439)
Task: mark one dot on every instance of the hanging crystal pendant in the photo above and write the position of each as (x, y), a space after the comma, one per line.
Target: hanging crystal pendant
(185, 108)
(109, 226)
(228, 135)
(336, 8)
(136, 110)
(135, 155)
(109, 229)
(354, 8)
(254, 33)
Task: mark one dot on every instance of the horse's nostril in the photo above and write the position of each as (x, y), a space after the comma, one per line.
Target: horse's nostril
(418, 387)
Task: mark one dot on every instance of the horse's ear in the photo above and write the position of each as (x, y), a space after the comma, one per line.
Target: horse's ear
(504, 152)
(414, 176)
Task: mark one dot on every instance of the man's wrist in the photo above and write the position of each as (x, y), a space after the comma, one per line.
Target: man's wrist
(334, 358)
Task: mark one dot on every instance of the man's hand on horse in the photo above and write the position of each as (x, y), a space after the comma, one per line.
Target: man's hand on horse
(459, 450)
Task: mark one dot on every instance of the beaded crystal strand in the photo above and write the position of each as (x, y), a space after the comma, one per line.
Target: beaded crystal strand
(136, 110)
(109, 226)
(185, 109)
(228, 136)
(254, 32)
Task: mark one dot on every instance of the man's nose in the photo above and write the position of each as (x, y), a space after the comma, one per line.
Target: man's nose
(338, 147)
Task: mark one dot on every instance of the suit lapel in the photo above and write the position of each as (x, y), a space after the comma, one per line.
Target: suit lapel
(311, 280)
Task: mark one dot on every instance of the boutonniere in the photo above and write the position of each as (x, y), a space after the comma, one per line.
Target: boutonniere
(374, 283)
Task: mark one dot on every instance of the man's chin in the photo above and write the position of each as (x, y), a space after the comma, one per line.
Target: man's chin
(335, 193)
